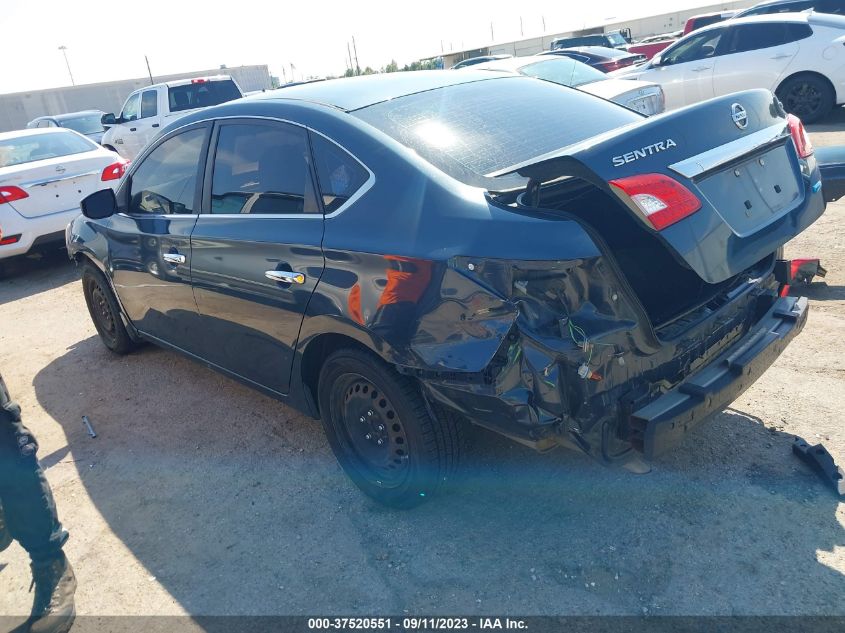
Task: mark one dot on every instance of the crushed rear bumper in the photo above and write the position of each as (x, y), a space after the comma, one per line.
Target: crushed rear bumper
(663, 422)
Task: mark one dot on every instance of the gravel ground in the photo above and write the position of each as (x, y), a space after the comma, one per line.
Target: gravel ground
(201, 496)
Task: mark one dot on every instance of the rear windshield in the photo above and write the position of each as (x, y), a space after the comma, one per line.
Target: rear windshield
(87, 124)
(616, 39)
(474, 129)
(202, 94)
(27, 149)
(563, 70)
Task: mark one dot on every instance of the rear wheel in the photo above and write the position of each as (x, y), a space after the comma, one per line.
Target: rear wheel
(809, 97)
(105, 311)
(381, 431)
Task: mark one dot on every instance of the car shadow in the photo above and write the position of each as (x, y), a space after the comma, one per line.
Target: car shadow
(22, 277)
(831, 123)
(818, 291)
(236, 505)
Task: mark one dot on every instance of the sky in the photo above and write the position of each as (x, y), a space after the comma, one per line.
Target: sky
(106, 42)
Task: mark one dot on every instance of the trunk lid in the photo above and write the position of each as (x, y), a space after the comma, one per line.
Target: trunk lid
(56, 184)
(755, 191)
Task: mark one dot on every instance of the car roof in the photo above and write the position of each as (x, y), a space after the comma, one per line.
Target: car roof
(354, 93)
(5, 136)
(72, 115)
(598, 51)
(803, 16)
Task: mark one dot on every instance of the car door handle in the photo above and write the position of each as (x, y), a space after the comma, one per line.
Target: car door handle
(781, 57)
(155, 125)
(173, 258)
(700, 68)
(285, 276)
(132, 129)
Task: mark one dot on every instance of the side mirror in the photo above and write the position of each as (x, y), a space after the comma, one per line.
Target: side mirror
(108, 119)
(656, 60)
(100, 204)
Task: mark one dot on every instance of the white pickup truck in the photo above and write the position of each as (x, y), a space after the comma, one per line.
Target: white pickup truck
(149, 109)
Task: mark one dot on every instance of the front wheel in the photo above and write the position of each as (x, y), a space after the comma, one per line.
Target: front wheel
(105, 311)
(381, 431)
(809, 97)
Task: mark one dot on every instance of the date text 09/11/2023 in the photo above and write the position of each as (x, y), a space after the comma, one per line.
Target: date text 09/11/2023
(416, 623)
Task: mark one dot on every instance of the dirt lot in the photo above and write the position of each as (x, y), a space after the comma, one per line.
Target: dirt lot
(201, 496)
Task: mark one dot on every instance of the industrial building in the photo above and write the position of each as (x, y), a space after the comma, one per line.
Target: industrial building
(18, 108)
(639, 27)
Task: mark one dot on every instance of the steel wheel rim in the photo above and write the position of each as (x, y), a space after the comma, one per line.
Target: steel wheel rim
(102, 309)
(370, 430)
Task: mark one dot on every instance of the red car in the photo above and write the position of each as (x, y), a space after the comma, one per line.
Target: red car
(706, 19)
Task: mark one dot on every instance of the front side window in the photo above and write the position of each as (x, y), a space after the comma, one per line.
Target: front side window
(166, 180)
(262, 169)
(700, 46)
(130, 108)
(149, 103)
(564, 71)
(338, 173)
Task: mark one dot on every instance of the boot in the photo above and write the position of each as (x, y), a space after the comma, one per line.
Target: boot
(5, 537)
(53, 610)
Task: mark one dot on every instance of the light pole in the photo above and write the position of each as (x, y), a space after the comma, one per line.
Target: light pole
(67, 63)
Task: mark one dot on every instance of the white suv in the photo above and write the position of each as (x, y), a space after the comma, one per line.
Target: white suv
(152, 108)
(798, 56)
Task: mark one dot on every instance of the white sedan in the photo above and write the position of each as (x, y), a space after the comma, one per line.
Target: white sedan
(798, 56)
(643, 96)
(44, 173)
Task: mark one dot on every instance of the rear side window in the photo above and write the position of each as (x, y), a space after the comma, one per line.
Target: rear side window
(339, 174)
(262, 169)
(166, 180)
(27, 149)
(201, 93)
(752, 37)
(149, 103)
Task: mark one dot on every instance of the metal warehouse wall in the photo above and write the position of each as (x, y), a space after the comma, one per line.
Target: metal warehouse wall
(640, 27)
(17, 109)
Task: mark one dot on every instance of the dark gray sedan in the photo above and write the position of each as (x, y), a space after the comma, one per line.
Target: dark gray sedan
(86, 122)
(402, 255)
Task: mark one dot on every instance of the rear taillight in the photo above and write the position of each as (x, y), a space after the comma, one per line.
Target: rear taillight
(662, 200)
(799, 136)
(115, 170)
(12, 193)
(609, 66)
(199, 81)
(5, 240)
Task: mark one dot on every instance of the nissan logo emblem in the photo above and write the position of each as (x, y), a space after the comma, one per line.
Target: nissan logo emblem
(739, 116)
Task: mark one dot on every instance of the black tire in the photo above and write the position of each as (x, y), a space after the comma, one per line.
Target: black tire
(105, 311)
(807, 96)
(362, 401)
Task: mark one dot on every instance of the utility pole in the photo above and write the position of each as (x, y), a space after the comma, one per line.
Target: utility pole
(148, 70)
(521, 32)
(492, 37)
(349, 52)
(355, 48)
(543, 17)
(67, 63)
(284, 74)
